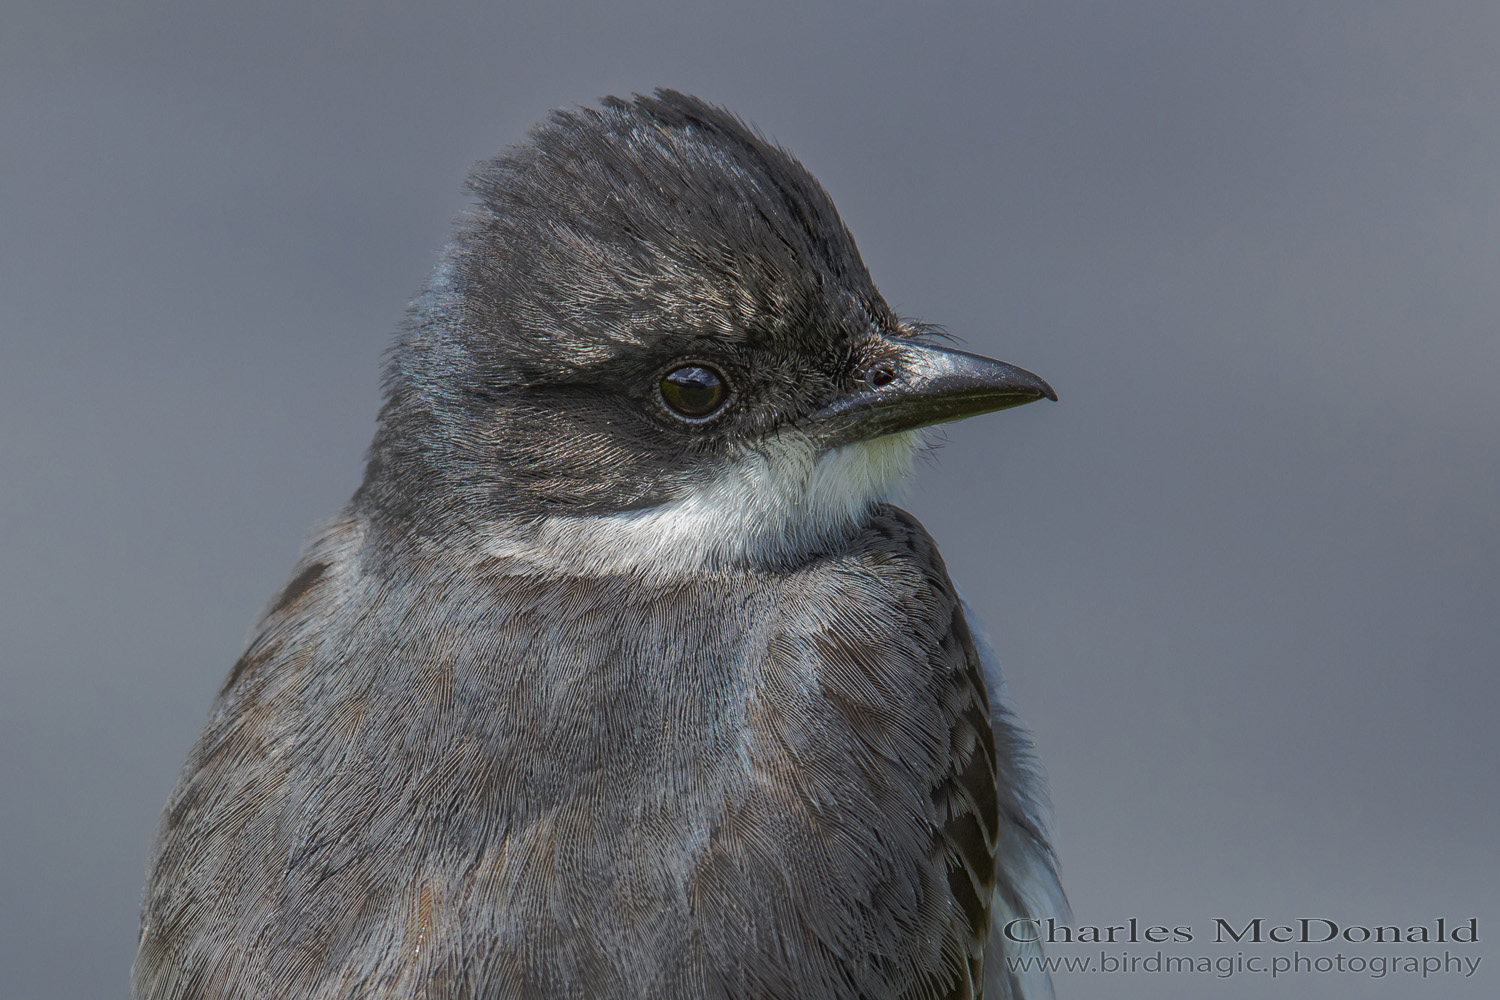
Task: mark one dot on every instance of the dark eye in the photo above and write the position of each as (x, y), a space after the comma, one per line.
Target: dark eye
(693, 391)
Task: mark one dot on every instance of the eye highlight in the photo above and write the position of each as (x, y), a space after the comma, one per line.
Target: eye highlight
(693, 392)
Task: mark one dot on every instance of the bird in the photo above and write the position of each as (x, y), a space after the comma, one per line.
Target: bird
(621, 675)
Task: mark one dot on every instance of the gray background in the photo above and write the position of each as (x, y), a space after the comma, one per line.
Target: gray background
(1243, 576)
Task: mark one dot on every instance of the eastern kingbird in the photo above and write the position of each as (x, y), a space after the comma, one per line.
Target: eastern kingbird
(619, 677)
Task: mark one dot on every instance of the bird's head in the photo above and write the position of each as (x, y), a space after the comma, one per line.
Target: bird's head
(653, 346)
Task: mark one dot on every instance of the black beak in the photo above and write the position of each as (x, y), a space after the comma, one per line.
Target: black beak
(915, 385)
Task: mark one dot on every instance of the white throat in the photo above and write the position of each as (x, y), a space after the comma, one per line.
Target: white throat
(774, 502)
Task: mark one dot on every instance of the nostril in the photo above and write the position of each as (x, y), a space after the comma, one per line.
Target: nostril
(880, 375)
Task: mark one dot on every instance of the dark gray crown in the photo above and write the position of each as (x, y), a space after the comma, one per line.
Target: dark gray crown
(612, 243)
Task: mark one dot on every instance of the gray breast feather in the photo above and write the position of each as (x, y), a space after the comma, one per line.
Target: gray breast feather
(449, 779)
